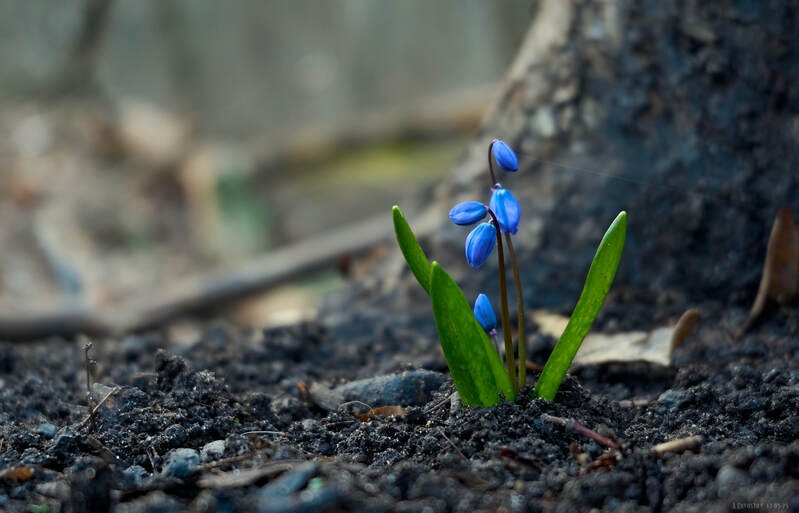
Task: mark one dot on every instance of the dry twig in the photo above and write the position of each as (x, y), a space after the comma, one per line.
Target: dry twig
(576, 426)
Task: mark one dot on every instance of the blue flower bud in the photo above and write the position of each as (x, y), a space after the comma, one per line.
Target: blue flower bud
(504, 156)
(506, 208)
(479, 244)
(468, 212)
(484, 313)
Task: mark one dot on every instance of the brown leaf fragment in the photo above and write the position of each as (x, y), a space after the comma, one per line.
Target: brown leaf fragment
(780, 279)
(382, 411)
(606, 460)
(17, 474)
(685, 326)
(302, 390)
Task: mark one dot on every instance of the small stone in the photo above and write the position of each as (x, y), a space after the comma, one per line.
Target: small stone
(212, 450)
(291, 481)
(32, 456)
(46, 429)
(410, 388)
(181, 463)
(175, 435)
(730, 478)
(134, 476)
(671, 398)
(64, 441)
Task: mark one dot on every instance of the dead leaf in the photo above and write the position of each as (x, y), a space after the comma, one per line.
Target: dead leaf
(382, 411)
(550, 323)
(606, 460)
(685, 326)
(630, 346)
(780, 279)
(625, 347)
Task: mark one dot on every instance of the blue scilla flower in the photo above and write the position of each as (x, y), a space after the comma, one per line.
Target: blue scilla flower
(479, 244)
(468, 212)
(504, 156)
(506, 208)
(484, 313)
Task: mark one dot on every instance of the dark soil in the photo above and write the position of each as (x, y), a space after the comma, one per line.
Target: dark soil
(248, 390)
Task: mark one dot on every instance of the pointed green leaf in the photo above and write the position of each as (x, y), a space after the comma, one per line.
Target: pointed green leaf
(411, 250)
(475, 366)
(596, 288)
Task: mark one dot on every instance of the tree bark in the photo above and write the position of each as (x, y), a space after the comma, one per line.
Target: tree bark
(683, 113)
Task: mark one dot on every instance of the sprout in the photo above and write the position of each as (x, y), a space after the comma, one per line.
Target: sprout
(474, 362)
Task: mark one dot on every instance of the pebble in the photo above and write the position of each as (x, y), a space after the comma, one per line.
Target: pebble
(671, 398)
(409, 388)
(46, 429)
(212, 450)
(280, 496)
(181, 463)
(291, 481)
(307, 502)
(134, 476)
(730, 478)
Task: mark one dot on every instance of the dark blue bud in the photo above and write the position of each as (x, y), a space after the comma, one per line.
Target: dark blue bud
(479, 244)
(506, 208)
(468, 212)
(504, 156)
(484, 313)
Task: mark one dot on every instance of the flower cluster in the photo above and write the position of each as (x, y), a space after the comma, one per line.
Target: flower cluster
(502, 207)
(504, 214)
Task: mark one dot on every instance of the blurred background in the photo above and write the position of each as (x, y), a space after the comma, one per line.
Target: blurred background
(149, 148)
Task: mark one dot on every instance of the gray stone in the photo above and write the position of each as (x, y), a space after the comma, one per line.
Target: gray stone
(46, 429)
(410, 388)
(730, 478)
(134, 476)
(671, 398)
(212, 450)
(290, 482)
(181, 463)
(281, 495)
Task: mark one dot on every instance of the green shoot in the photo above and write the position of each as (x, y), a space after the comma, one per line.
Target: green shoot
(596, 288)
(411, 250)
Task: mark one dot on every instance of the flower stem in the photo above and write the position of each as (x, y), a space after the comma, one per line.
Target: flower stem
(510, 360)
(522, 354)
(491, 165)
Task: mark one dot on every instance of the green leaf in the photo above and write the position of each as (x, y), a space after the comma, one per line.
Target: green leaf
(596, 288)
(411, 250)
(475, 366)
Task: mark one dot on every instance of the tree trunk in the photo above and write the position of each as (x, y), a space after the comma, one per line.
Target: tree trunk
(683, 113)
